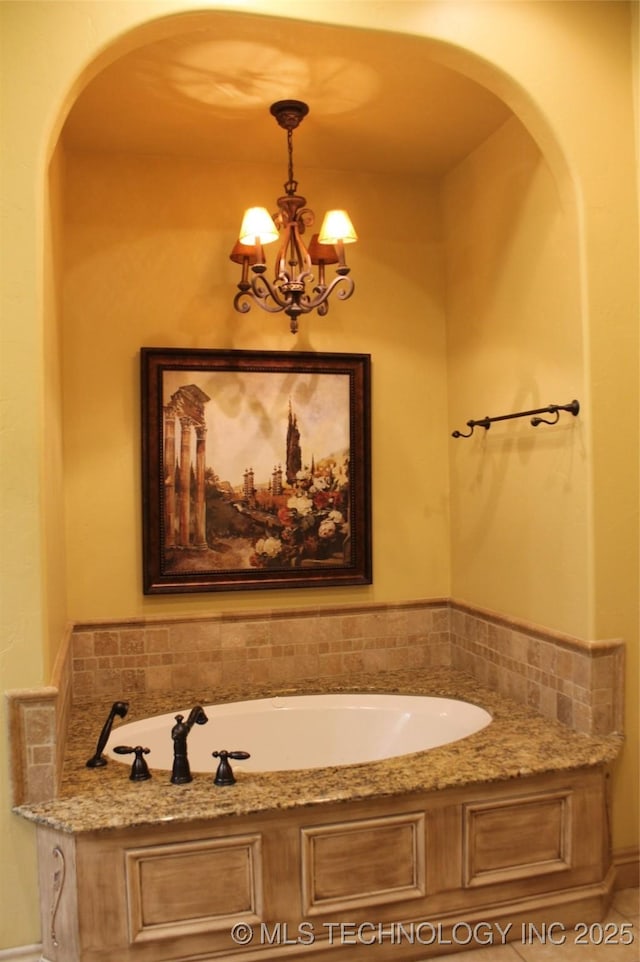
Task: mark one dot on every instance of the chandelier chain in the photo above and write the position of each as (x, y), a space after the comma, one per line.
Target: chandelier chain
(291, 186)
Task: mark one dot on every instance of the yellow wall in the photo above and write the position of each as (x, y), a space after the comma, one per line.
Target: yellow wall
(52, 491)
(564, 68)
(146, 263)
(519, 495)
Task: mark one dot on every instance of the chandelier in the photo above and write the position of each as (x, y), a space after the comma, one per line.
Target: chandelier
(295, 289)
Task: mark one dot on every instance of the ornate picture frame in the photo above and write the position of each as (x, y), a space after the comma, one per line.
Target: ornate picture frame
(256, 470)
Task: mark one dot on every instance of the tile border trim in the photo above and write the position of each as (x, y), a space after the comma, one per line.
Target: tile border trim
(591, 646)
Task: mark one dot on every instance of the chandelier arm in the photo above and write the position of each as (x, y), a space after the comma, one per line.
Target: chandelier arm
(305, 276)
(280, 266)
(258, 291)
(344, 294)
(241, 306)
(262, 289)
(324, 294)
(302, 254)
(292, 253)
(245, 306)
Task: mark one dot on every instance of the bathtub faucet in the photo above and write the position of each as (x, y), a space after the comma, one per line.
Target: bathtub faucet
(181, 772)
(119, 708)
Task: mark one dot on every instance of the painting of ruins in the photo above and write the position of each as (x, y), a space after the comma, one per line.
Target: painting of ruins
(256, 470)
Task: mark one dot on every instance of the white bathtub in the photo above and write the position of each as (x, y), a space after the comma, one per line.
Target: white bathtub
(306, 731)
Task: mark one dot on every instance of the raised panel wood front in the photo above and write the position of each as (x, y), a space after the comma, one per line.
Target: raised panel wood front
(194, 886)
(531, 849)
(518, 838)
(363, 863)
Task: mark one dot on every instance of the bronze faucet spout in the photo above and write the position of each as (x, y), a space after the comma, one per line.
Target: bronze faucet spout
(197, 716)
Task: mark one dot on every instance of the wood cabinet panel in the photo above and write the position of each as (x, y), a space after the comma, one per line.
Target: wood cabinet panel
(517, 838)
(199, 886)
(363, 863)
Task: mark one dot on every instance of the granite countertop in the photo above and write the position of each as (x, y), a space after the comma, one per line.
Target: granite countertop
(518, 742)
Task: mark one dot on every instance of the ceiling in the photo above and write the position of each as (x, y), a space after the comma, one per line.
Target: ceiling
(378, 102)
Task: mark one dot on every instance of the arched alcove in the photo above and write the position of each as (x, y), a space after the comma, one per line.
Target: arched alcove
(164, 148)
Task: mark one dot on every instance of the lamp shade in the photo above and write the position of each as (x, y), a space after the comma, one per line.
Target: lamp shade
(325, 253)
(258, 227)
(242, 252)
(337, 226)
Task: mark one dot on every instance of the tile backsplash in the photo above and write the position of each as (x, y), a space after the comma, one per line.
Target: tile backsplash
(580, 684)
(268, 647)
(577, 683)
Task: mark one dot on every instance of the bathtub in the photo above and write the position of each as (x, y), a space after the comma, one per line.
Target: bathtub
(307, 731)
(504, 826)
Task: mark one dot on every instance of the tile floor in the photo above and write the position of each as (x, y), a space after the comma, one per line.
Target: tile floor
(622, 923)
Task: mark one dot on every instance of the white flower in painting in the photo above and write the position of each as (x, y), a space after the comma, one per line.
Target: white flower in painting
(302, 505)
(336, 516)
(327, 529)
(271, 547)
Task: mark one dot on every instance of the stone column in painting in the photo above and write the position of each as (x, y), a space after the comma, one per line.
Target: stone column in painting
(200, 505)
(184, 495)
(169, 476)
(187, 406)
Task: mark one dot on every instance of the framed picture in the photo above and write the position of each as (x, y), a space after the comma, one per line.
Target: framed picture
(255, 470)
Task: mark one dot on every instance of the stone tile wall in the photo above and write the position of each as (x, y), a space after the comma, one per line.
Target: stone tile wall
(579, 684)
(33, 744)
(268, 647)
(38, 720)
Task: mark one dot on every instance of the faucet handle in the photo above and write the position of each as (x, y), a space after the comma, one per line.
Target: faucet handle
(139, 769)
(224, 774)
